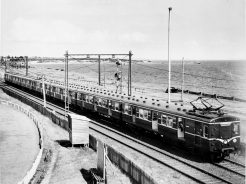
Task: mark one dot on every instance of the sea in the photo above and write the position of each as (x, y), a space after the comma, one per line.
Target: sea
(225, 78)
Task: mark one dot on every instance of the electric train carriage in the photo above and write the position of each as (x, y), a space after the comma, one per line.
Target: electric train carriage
(204, 130)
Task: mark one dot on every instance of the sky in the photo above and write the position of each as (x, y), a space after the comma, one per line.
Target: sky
(199, 29)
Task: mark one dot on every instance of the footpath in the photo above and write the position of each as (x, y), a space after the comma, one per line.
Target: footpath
(19, 144)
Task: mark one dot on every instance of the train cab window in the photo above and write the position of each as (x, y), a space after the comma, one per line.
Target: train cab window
(235, 128)
(53, 89)
(205, 130)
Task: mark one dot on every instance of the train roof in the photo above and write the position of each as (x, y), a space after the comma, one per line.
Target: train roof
(174, 108)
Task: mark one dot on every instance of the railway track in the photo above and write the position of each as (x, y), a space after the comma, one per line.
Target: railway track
(191, 170)
(233, 167)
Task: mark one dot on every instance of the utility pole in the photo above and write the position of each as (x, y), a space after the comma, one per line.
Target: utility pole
(5, 65)
(104, 74)
(130, 74)
(99, 70)
(44, 95)
(26, 59)
(169, 62)
(66, 85)
(182, 86)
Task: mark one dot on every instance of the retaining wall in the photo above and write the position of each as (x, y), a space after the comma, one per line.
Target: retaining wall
(127, 166)
(29, 175)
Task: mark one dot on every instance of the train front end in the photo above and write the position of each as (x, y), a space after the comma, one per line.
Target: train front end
(225, 136)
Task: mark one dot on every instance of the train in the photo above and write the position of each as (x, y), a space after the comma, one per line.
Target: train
(207, 131)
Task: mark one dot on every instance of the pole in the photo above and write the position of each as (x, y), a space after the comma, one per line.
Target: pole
(26, 58)
(67, 83)
(121, 76)
(130, 74)
(182, 86)
(99, 70)
(169, 62)
(104, 73)
(5, 65)
(44, 95)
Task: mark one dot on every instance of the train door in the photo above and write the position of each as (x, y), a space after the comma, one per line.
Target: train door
(198, 132)
(109, 107)
(95, 102)
(155, 121)
(180, 128)
(75, 98)
(134, 111)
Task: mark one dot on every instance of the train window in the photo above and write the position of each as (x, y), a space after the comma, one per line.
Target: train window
(100, 101)
(90, 99)
(117, 106)
(171, 122)
(180, 124)
(61, 91)
(74, 94)
(205, 130)
(96, 100)
(86, 98)
(134, 111)
(53, 89)
(78, 96)
(235, 128)
(163, 119)
(104, 103)
(127, 109)
(110, 104)
(155, 116)
(145, 114)
(141, 113)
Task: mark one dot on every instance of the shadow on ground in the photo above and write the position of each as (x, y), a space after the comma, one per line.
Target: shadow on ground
(64, 143)
(87, 175)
